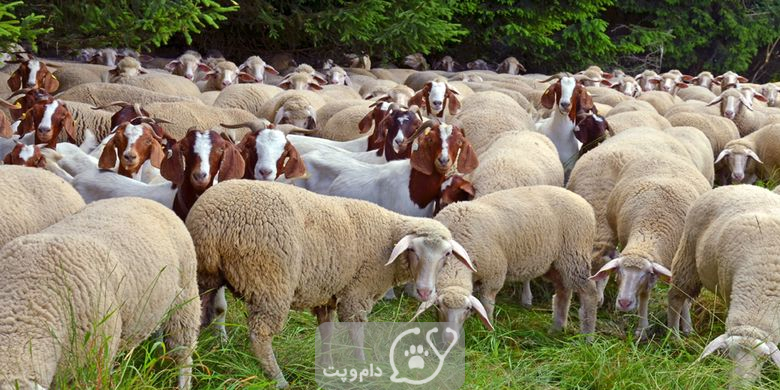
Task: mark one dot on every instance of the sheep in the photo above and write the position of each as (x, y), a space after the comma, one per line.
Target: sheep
(338, 76)
(629, 119)
(249, 97)
(490, 99)
(518, 97)
(695, 92)
(729, 80)
(338, 92)
(417, 80)
(106, 56)
(71, 76)
(376, 88)
(126, 68)
(35, 199)
(672, 81)
(717, 129)
(770, 91)
(300, 81)
(256, 67)
(698, 146)
(343, 126)
(397, 75)
(694, 106)
(400, 94)
(223, 74)
(497, 231)
(298, 108)
(660, 100)
(630, 105)
(510, 65)
(704, 79)
(516, 159)
(330, 109)
(648, 80)
(134, 263)
(100, 94)
(416, 61)
(728, 245)
(627, 85)
(590, 77)
(163, 83)
(478, 64)
(362, 61)
(85, 118)
(187, 65)
(484, 126)
(185, 115)
(646, 211)
(759, 146)
(737, 107)
(608, 96)
(448, 64)
(347, 276)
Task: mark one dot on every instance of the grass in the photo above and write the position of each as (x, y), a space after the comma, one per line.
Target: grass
(519, 354)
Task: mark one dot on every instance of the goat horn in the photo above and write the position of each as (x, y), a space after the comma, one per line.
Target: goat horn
(116, 103)
(7, 104)
(20, 92)
(255, 125)
(556, 77)
(427, 124)
(290, 129)
(137, 109)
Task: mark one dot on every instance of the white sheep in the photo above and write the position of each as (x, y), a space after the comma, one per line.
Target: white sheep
(188, 65)
(298, 108)
(290, 261)
(695, 92)
(736, 106)
(257, 68)
(754, 156)
(249, 97)
(225, 73)
(661, 101)
(728, 246)
(105, 278)
(629, 119)
(769, 90)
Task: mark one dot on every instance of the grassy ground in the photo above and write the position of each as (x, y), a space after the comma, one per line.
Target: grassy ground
(519, 354)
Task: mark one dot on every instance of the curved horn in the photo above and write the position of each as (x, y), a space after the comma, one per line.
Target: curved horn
(20, 92)
(255, 125)
(427, 124)
(137, 109)
(116, 103)
(8, 105)
(555, 77)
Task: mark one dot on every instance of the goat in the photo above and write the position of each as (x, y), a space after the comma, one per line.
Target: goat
(435, 96)
(48, 120)
(33, 73)
(137, 144)
(26, 155)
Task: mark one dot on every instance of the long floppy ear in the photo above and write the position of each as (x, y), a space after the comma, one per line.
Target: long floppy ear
(279, 116)
(421, 158)
(460, 252)
(172, 167)
(69, 125)
(662, 272)
(478, 308)
(7, 160)
(246, 77)
(467, 160)
(5, 127)
(753, 155)
(419, 98)
(742, 79)
(454, 103)
(400, 247)
(15, 81)
(294, 166)
(27, 123)
(315, 86)
(50, 83)
(233, 165)
(714, 345)
(286, 84)
(586, 100)
(108, 157)
(157, 154)
(549, 96)
(365, 124)
(607, 269)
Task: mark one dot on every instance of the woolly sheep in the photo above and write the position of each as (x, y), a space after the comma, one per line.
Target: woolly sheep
(298, 108)
(646, 211)
(695, 106)
(728, 245)
(343, 126)
(515, 96)
(257, 68)
(185, 115)
(294, 247)
(330, 109)
(754, 156)
(376, 88)
(34, 199)
(661, 101)
(134, 264)
(188, 65)
(128, 67)
(695, 92)
(769, 90)
(163, 83)
(223, 74)
(71, 76)
(607, 96)
(735, 106)
(249, 97)
(338, 92)
(397, 75)
(630, 105)
(517, 159)
(484, 126)
(208, 97)
(627, 120)
(698, 146)
(301, 81)
(489, 99)
(519, 234)
(86, 118)
(100, 94)
(717, 129)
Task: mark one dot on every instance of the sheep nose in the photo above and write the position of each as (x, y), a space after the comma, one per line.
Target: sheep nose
(188, 76)
(738, 176)
(624, 304)
(729, 114)
(424, 293)
(226, 82)
(265, 172)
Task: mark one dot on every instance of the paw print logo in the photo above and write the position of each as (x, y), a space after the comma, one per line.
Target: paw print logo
(415, 355)
(416, 361)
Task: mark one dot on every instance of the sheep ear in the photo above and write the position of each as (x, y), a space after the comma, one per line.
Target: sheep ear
(688, 78)
(714, 345)
(682, 85)
(204, 68)
(460, 252)
(233, 165)
(742, 79)
(279, 116)
(715, 101)
(108, 157)
(759, 97)
(285, 84)
(754, 156)
(271, 69)
(315, 86)
(477, 307)
(246, 77)
(662, 272)
(723, 154)
(607, 269)
(400, 247)
(770, 349)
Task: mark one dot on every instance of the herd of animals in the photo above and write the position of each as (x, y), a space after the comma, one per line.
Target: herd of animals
(133, 196)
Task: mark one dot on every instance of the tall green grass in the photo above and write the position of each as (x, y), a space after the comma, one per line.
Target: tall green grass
(519, 354)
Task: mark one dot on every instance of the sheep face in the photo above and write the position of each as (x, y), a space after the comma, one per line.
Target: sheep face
(426, 255)
(455, 307)
(306, 119)
(636, 276)
(25, 155)
(187, 66)
(268, 154)
(671, 81)
(648, 80)
(731, 102)
(256, 67)
(738, 157)
(729, 80)
(746, 353)
(105, 56)
(770, 92)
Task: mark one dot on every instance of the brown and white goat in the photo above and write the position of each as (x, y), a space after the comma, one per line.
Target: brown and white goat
(267, 153)
(194, 162)
(130, 112)
(435, 96)
(33, 73)
(25, 155)
(48, 120)
(135, 144)
(31, 97)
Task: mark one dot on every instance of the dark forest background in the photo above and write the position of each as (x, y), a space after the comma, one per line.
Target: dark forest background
(546, 36)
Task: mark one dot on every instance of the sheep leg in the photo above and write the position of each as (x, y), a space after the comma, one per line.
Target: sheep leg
(526, 297)
(181, 336)
(355, 311)
(685, 285)
(264, 322)
(687, 323)
(325, 316)
(561, 300)
(220, 310)
(588, 293)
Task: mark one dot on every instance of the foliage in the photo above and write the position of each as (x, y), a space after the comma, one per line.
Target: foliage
(14, 30)
(138, 24)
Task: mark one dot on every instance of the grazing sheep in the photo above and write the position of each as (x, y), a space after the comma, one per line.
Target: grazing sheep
(35, 199)
(629, 119)
(646, 211)
(111, 274)
(755, 156)
(249, 97)
(519, 234)
(728, 246)
(290, 261)
(736, 106)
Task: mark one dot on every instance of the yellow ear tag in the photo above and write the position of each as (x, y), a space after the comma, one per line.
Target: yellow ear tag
(427, 131)
(53, 76)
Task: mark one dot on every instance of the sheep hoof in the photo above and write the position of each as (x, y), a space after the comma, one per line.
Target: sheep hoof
(281, 383)
(640, 335)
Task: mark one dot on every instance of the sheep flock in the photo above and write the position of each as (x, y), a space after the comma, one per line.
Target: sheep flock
(137, 190)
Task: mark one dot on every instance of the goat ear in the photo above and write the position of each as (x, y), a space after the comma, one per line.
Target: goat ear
(50, 83)
(467, 160)
(108, 157)
(586, 100)
(157, 154)
(27, 123)
(172, 167)
(233, 165)
(69, 125)
(271, 69)
(294, 166)
(15, 81)
(454, 103)
(7, 160)
(418, 99)
(365, 124)
(5, 127)
(422, 158)
(549, 96)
